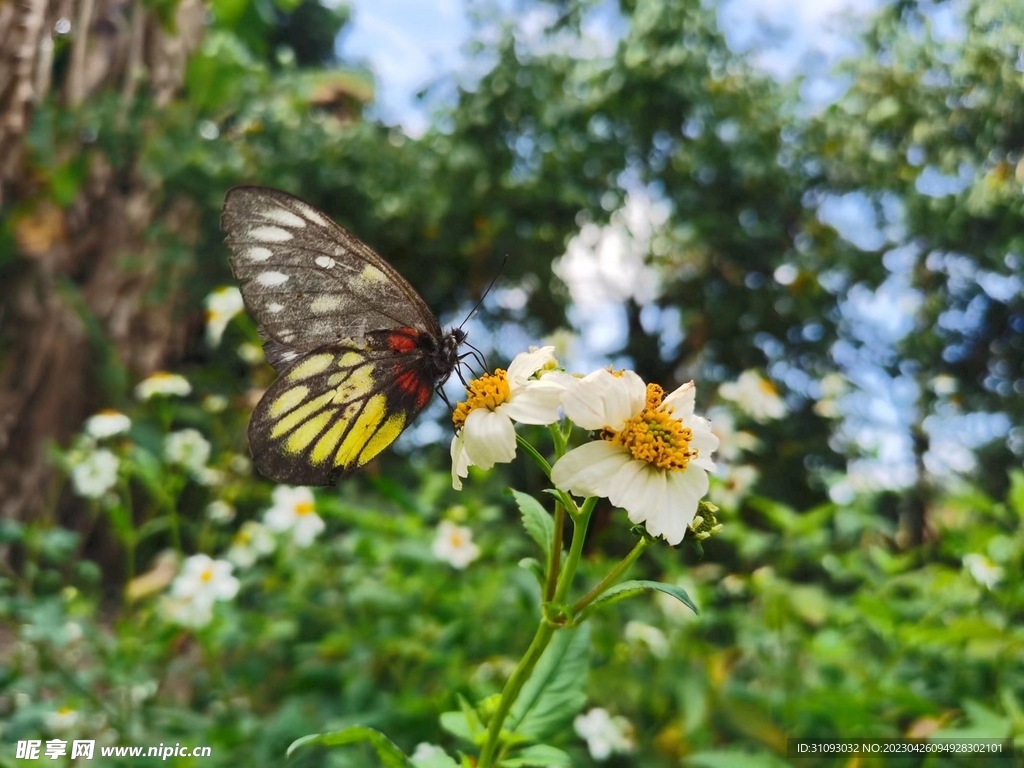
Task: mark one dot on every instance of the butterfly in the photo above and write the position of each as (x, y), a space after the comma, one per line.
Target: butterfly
(357, 351)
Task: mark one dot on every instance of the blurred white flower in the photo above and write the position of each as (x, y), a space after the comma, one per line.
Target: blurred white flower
(220, 511)
(983, 570)
(756, 396)
(205, 580)
(95, 474)
(221, 305)
(251, 353)
(294, 509)
(454, 545)
(107, 423)
(831, 390)
(186, 611)
(162, 383)
(653, 454)
(604, 734)
(730, 441)
(426, 753)
(61, 720)
(637, 632)
(735, 486)
(215, 403)
(252, 541)
(485, 435)
(188, 449)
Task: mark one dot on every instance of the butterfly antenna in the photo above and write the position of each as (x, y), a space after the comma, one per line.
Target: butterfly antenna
(483, 296)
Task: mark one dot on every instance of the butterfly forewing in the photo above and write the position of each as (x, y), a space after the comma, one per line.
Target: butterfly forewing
(306, 280)
(358, 351)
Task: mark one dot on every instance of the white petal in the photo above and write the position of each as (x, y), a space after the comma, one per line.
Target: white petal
(587, 470)
(535, 403)
(489, 438)
(602, 399)
(681, 401)
(526, 364)
(460, 461)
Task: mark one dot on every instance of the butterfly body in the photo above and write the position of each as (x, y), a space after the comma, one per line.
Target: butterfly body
(357, 350)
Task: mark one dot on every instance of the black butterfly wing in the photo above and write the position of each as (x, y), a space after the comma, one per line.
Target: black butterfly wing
(307, 281)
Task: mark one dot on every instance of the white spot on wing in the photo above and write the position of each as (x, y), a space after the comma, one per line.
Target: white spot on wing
(289, 356)
(271, 279)
(274, 307)
(325, 261)
(258, 253)
(283, 217)
(312, 214)
(270, 234)
(324, 304)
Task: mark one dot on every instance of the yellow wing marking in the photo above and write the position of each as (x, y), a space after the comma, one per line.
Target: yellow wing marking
(311, 366)
(369, 419)
(325, 446)
(385, 436)
(288, 400)
(296, 417)
(300, 439)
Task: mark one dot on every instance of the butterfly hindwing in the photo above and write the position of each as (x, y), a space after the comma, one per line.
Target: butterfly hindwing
(338, 407)
(357, 351)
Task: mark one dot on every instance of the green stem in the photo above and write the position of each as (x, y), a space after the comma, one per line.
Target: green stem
(612, 576)
(556, 553)
(541, 461)
(508, 695)
(579, 533)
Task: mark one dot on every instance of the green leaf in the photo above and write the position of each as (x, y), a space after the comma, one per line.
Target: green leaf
(464, 724)
(554, 694)
(390, 755)
(1016, 493)
(533, 565)
(632, 588)
(538, 756)
(536, 521)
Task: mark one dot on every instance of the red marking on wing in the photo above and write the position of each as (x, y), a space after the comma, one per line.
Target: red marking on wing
(410, 382)
(403, 340)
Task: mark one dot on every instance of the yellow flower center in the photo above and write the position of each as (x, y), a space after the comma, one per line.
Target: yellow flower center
(304, 508)
(455, 540)
(768, 388)
(207, 575)
(489, 391)
(654, 436)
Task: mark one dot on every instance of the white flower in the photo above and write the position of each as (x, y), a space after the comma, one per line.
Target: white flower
(220, 511)
(251, 353)
(215, 403)
(454, 545)
(426, 753)
(638, 632)
(756, 396)
(61, 720)
(107, 423)
(252, 542)
(186, 611)
(603, 733)
(221, 305)
(205, 580)
(187, 448)
(162, 383)
(653, 455)
(485, 434)
(730, 441)
(95, 474)
(734, 487)
(983, 570)
(294, 509)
